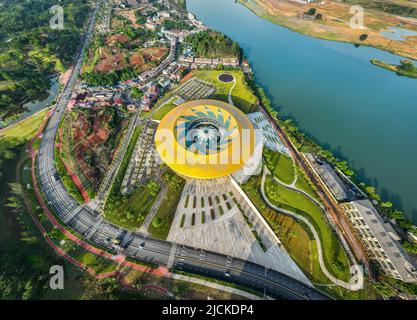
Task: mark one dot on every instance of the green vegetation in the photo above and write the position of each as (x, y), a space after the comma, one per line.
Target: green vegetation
(287, 199)
(31, 51)
(163, 110)
(397, 8)
(98, 264)
(300, 244)
(130, 211)
(171, 24)
(168, 207)
(303, 183)
(66, 179)
(405, 68)
(212, 44)
(280, 165)
(242, 95)
(136, 93)
(15, 136)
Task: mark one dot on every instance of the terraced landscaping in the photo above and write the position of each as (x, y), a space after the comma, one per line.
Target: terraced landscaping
(282, 197)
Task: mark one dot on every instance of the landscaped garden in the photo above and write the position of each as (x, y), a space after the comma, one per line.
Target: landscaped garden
(130, 211)
(165, 215)
(242, 95)
(280, 165)
(287, 199)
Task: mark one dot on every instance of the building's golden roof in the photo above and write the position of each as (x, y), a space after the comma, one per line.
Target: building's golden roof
(205, 139)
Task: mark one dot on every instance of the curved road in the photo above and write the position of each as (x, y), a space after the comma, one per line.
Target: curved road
(86, 222)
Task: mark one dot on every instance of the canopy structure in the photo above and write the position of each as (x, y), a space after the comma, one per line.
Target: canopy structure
(205, 139)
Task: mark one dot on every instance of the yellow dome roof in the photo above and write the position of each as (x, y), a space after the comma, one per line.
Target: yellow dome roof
(205, 139)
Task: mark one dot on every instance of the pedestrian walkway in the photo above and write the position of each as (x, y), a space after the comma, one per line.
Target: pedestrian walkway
(356, 282)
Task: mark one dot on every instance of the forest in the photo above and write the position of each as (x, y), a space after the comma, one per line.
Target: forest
(211, 44)
(31, 51)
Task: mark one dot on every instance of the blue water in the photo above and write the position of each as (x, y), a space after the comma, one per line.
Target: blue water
(32, 107)
(398, 34)
(365, 114)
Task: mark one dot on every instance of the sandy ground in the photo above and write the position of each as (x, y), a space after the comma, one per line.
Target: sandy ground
(335, 23)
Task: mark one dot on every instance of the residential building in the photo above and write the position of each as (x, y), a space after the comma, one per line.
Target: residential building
(380, 240)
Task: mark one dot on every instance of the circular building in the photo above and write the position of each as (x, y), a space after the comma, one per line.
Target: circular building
(205, 139)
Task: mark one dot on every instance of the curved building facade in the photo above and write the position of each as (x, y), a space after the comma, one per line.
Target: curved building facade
(205, 139)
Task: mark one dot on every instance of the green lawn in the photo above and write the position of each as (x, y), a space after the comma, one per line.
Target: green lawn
(242, 95)
(26, 129)
(163, 110)
(335, 257)
(99, 264)
(131, 211)
(305, 185)
(168, 207)
(280, 165)
(300, 244)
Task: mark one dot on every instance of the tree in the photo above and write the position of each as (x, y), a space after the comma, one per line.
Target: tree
(136, 93)
(311, 12)
(408, 66)
(363, 37)
(157, 222)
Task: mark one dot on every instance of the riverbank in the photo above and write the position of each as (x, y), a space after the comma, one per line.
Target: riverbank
(398, 69)
(330, 21)
(29, 108)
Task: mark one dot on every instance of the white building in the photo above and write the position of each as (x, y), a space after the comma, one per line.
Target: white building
(380, 240)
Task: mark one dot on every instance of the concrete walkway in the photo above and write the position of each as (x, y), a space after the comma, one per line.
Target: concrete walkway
(356, 282)
(294, 188)
(231, 90)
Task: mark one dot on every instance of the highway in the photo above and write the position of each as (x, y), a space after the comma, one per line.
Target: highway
(88, 223)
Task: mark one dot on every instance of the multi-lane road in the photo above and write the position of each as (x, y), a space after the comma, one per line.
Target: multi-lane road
(88, 223)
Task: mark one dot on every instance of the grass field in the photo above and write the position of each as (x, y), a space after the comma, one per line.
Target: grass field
(280, 165)
(305, 185)
(285, 198)
(301, 245)
(163, 110)
(26, 129)
(131, 211)
(242, 95)
(168, 207)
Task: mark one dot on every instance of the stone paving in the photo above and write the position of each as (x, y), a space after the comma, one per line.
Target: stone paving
(211, 216)
(195, 89)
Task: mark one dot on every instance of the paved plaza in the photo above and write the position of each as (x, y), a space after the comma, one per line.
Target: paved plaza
(212, 215)
(195, 89)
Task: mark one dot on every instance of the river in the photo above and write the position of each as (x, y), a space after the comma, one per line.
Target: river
(32, 107)
(364, 114)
